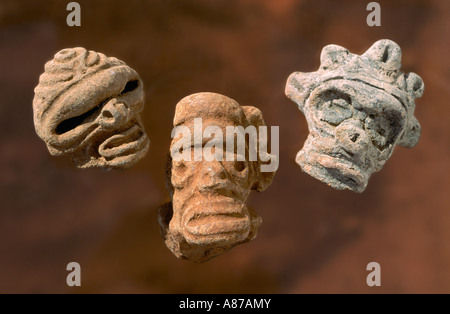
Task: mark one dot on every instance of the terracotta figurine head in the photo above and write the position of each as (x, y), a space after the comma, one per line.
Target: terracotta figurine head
(87, 106)
(208, 214)
(358, 108)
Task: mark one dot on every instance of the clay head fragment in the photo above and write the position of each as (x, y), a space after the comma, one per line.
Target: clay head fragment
(358, 107)
(208, 214)
(86, 106)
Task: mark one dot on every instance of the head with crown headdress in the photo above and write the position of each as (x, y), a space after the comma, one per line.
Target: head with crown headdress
(358, 108)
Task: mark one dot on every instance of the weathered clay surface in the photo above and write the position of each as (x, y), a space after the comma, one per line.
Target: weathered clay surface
(358, 107)
(87, 106)
(208, 214)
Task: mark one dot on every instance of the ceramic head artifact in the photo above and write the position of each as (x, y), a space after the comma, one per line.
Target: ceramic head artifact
(87, 106)
(208, 214)
(358, 108)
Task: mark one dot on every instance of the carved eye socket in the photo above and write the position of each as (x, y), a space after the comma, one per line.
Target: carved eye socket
(334, 107)
(130, 86)
(179, 167)
(239, 166)
(71, 123)
(384, 128)
(380, 130)
(179, 174)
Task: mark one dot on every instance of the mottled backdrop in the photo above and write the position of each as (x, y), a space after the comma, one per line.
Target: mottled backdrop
(313, 238)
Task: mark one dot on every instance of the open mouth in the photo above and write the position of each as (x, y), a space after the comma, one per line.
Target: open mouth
(337, 169)
(342, 169)
(126, 143)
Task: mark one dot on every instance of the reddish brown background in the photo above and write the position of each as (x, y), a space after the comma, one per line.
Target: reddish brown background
(313, 239)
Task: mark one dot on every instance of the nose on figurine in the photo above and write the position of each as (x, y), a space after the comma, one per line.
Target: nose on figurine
(213, 175)
(114, 114)
(352, 137)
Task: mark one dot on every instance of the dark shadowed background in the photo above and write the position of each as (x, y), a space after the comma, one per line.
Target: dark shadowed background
(313, 238)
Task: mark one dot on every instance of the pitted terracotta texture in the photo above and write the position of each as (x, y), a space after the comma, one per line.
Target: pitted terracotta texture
(86, 106)
(358, 108)
(208, 214)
